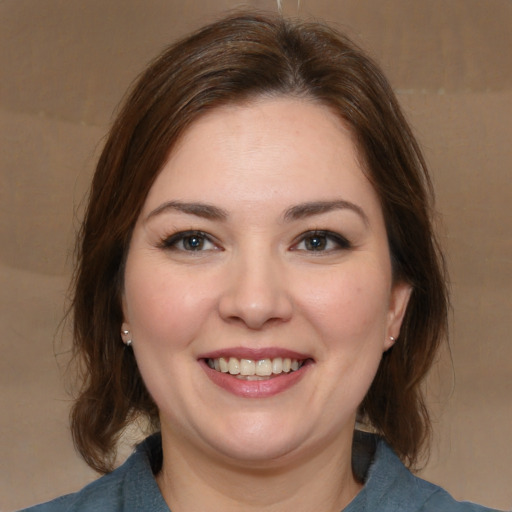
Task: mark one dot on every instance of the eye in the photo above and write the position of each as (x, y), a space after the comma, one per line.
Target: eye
(321, 241)
(190, 241)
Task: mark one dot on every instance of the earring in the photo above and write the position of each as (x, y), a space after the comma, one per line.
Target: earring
(391, 339)
(125, 336)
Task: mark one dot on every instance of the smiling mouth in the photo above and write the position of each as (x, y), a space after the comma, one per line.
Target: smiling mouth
(252, 369)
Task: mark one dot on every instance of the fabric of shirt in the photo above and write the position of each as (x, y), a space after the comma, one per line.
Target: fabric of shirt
(388, 485)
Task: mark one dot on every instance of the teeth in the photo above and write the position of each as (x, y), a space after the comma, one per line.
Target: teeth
(224, 366)
(247, 367)
(277, 365)
(250, 377)
(264, 367)
(250, 368)
(234, 366)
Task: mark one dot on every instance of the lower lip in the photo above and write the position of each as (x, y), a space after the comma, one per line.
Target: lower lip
(255, 388)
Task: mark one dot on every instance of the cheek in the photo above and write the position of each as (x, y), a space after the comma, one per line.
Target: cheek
(351, 302)
(163, 308)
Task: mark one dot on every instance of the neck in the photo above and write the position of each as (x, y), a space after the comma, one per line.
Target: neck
(191, 480)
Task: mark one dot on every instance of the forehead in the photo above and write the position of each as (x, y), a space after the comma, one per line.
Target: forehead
(282, 150)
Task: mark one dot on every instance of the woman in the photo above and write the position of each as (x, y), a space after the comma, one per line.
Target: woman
(256, 271)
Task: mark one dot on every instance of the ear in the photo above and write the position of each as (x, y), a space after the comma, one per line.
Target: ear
(126, 335)
(398, 301)
(125, 326)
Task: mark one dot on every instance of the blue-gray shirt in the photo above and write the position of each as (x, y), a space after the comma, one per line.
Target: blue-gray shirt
(388, 485)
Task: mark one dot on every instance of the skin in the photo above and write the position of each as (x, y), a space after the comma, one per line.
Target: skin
(255, 280)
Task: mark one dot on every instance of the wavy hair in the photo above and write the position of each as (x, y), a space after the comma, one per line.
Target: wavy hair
(238, 58)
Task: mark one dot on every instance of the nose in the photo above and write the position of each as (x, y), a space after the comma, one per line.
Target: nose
(256, 294)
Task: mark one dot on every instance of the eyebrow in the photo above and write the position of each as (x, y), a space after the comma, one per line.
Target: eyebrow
(299, 211)
(204, 210)
(309, 209)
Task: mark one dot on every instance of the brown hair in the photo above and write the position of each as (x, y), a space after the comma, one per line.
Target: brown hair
(240, 57)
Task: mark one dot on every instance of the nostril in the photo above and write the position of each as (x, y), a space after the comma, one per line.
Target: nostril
(256, 311)
(257, 293)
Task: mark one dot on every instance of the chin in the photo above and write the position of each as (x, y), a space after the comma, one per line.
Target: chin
(266, 444)
(252, 439)
(258, 453)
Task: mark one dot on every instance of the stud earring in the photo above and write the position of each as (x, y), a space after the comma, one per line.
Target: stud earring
(392, 339)
(125, 336)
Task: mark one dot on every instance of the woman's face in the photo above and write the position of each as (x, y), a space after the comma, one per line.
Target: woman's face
(258, 288)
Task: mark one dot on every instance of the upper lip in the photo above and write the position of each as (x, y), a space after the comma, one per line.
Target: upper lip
(255, 354)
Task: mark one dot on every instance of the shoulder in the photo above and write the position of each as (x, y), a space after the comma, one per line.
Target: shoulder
(441, 500)
(129, 488)
(391, 487)
(103, 494)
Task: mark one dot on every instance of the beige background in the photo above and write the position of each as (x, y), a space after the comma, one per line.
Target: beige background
(65, 65)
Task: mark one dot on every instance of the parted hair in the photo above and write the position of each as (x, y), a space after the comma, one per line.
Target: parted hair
(245, 56)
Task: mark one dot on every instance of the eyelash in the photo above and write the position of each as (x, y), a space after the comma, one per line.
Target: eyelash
(323, 238)
(340, 242)
(172, 242)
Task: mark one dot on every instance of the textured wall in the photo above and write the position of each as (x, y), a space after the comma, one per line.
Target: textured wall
(64, 67)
